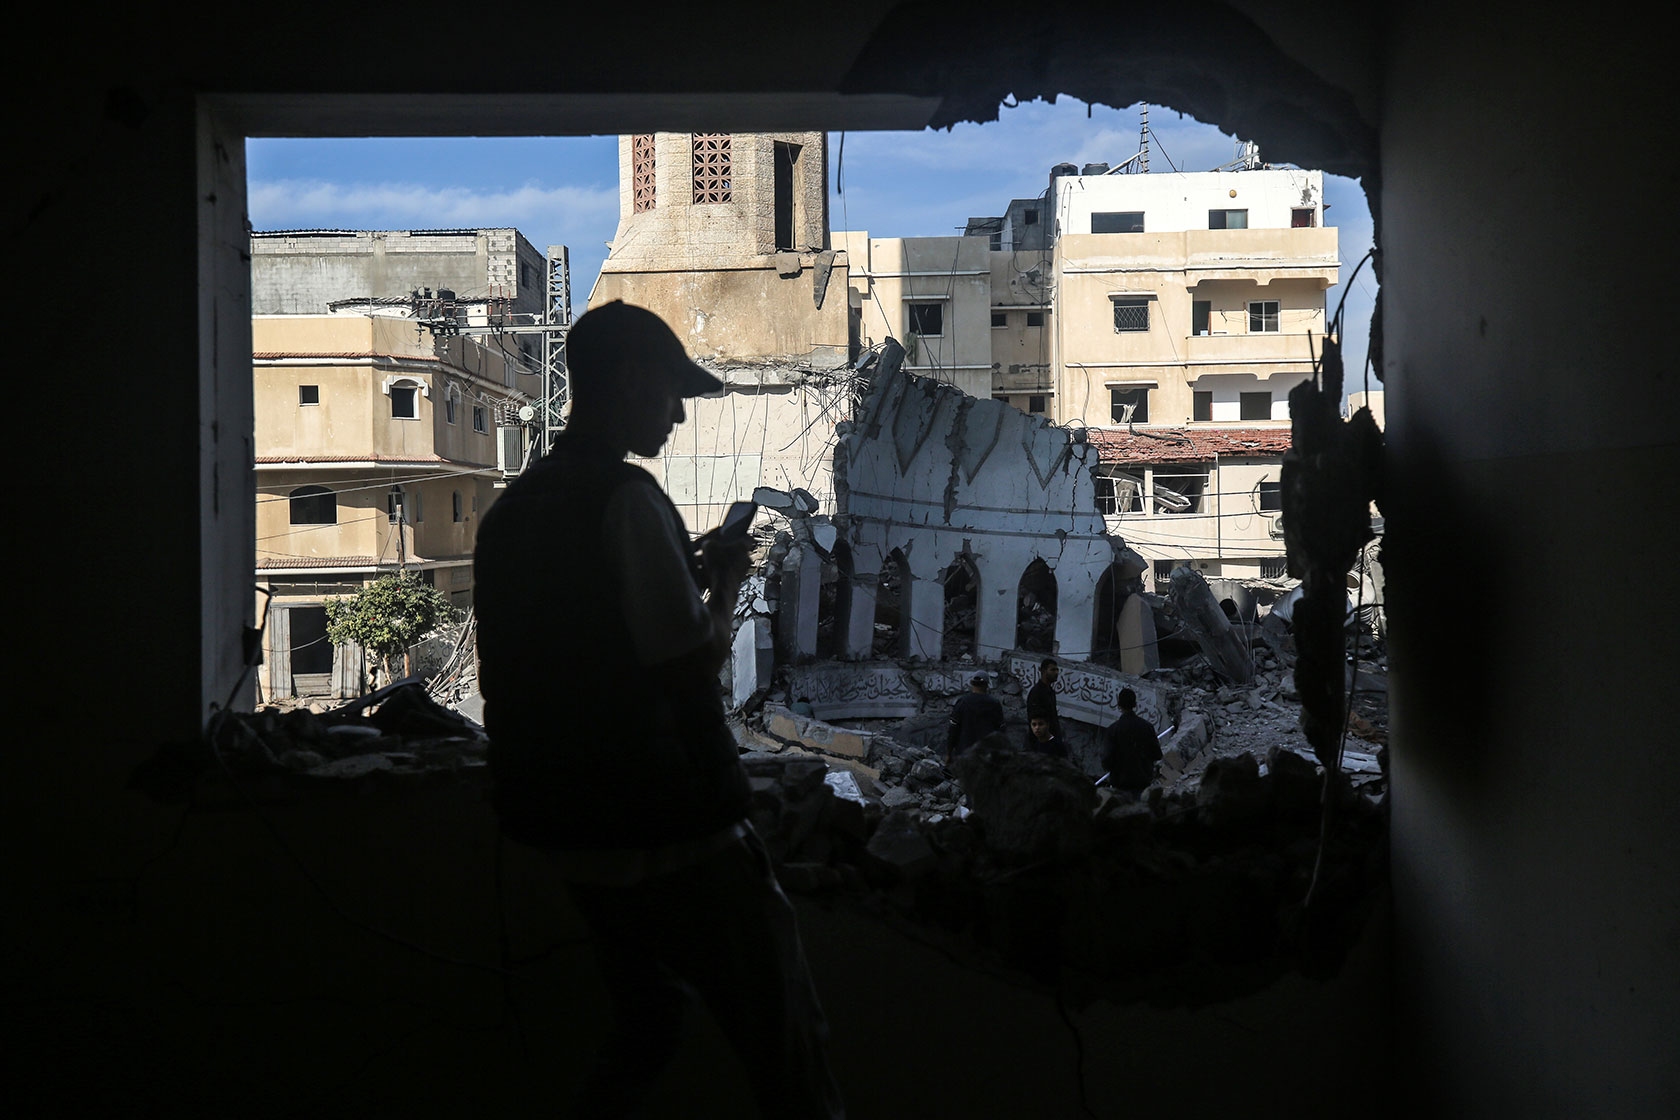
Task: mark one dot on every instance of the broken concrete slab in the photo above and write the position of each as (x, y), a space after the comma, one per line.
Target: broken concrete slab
(899, 846)
(843, 690)
(1224, 646)
(1232, 793)
(816, 734)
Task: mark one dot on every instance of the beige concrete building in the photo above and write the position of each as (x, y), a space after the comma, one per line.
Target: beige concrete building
(931, 293)
(1186, 306)
(375, 453)
(725, 236)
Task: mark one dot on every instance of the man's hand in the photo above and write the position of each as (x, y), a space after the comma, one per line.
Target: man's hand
(726, 566)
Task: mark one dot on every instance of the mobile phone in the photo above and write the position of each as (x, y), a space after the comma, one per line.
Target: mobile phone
(737, 521)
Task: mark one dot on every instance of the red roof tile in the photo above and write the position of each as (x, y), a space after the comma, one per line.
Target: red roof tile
(1186, 445)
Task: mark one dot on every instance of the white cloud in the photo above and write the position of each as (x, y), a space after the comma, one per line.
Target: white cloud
(292, 203)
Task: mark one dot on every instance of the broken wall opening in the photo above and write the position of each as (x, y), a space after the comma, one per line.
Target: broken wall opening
(1105, 625)
(962, 607)
(834, 600)
(1035, 608)
(892, 623)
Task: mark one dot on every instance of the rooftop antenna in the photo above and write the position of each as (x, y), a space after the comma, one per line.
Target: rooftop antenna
(1143, 142)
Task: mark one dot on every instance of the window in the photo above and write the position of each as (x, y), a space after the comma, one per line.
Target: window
(417, 511)
(1227, 219)
(314, 505)
(1303, 218)
(713, 180)
(309, 394)
(1119, 493)
(1201, 407)
(1163, 573)
(1201, 316)
(1270, 497)
(1123, 221)
(1256, 406)
(451, 398)
(1130, 406)
(479, 424)
(1181, 489)
(927, 319)
(1274, 567)
(1000, 318)
(405, 402)
(1263, 316)
(1029, 217)
(1035, 318)
(1035, 404)
(394, 505)
(455, 505)
(641, 172)
(995, 242)
(1131, 315)
(786, 159)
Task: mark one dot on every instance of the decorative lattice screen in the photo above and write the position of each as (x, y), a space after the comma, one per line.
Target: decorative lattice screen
(712, 182)
(641, 171)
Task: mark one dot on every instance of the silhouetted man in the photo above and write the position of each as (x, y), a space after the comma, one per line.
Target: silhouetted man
(1041, 697)
(975, 715)
(1130, 748)
(608, 746)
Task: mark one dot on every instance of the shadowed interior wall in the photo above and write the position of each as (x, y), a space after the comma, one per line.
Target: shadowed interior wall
(1531, 394)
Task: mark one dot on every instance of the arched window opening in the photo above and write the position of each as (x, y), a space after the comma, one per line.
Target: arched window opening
(1035, 609)
(1105, 624)
(962, 606)
(834, 601)
(314, 505)
(892, 635)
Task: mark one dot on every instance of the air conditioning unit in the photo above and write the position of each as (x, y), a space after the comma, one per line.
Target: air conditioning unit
(510, 449)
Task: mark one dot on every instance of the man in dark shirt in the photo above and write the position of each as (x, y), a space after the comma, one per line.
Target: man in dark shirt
(1041, 697)
(1130, 749)
(1041, 737)
(974, 716)
(609, 750)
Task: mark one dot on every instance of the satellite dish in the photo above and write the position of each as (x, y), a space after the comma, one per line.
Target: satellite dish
(527, 413)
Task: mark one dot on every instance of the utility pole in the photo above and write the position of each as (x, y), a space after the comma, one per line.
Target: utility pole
(547, 417)
(557, 319)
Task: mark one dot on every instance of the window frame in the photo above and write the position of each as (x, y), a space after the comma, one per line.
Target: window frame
(1000, 320)
(480, 419)
(912, 306)
(1198, 398)
(1039, 315)
(315, 390)
(1311, 213)
(1246, 400)
(323, 497)
(1121, 215)
(1130, 302)
(1225, 218)
(1276, 316)
(1198, 500)
(1115, 404)
(1268, 496)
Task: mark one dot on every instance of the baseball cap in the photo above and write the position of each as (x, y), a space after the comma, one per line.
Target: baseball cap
(980, 678)
(618, 333)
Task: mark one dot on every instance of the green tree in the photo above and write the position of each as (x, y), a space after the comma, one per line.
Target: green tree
(388, 616)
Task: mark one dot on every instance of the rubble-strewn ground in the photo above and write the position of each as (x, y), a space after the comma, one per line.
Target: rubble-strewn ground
(1199, 891)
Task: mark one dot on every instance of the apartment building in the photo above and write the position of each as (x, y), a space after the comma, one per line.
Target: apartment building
(1169, 315)
(376, 452)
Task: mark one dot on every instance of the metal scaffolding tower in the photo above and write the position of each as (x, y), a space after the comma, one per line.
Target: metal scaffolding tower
(557, 320)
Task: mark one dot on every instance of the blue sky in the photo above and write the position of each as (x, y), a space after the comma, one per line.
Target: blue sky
(564, 190)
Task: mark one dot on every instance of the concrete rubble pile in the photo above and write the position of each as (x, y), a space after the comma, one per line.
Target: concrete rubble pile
(395, 733)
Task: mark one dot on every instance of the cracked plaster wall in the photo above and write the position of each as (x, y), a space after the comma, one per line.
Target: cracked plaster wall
(935, 474)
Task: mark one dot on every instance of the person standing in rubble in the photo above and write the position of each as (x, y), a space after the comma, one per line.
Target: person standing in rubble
(1130, 748)
(975, 715)
(1044, 739)
(1041, 697)
(609, 751)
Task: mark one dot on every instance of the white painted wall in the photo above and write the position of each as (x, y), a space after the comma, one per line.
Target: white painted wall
(1180, 201)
